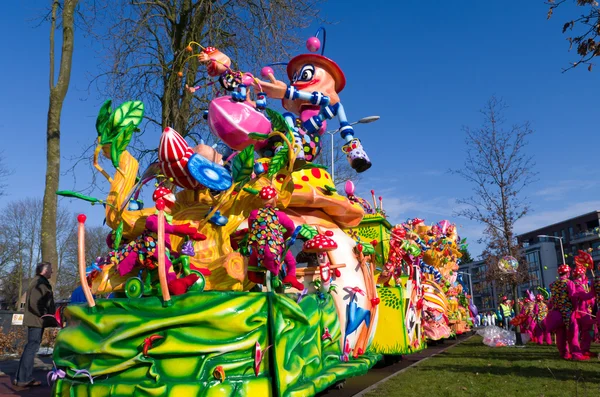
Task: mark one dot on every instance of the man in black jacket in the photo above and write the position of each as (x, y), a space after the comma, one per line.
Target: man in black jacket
(40, 301)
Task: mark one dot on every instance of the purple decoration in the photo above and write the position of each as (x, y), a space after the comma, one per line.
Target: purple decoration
(54, 375)
(84, 372)
(187, 248)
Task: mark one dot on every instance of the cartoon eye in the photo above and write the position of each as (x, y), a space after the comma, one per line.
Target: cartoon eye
(306, 73)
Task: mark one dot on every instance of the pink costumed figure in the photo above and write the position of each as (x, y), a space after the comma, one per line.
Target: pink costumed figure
(583, 309)
(597, 293)
(527, 311)
(269, 230)
(143, 250)
(540, 312)
(561, 318)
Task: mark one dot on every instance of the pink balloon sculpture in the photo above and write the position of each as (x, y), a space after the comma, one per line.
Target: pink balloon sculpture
(233, 121)
(349, 188)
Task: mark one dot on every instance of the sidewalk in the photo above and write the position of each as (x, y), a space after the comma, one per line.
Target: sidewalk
(8, 368)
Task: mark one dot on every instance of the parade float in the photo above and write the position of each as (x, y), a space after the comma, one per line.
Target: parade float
(240, 280)
(448, 307)
(399, 292)
(421, 297)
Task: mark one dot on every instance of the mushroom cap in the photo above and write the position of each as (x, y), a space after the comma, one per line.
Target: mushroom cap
(319, 243)
(267, 193)
(161, 192)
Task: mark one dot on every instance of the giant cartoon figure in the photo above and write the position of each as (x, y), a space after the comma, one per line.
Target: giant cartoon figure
(311, 98)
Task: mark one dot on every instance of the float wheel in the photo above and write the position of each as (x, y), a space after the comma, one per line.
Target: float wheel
(134, 288)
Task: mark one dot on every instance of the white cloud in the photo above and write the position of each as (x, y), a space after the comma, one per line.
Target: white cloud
(561, 189)
(544, 218)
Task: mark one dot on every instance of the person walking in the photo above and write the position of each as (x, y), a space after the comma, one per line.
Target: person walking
(40, 301)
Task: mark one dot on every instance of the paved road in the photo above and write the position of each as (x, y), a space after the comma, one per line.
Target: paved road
(352, 386)
(383, 369)
(8, 368)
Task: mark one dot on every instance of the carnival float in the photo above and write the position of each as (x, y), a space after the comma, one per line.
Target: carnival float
(251, 275)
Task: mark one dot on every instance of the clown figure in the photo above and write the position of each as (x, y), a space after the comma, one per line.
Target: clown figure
(269, 230)
(583, 309)
(540, 311)
(527, 311)
(561, 317)
(142, 252)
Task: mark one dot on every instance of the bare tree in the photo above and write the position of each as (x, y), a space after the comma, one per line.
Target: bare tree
(4, 172)
(498, 168)
(146, 59)
(20, 240)
(58, 91)
(342, 170)
(583, 30)
(95, 246)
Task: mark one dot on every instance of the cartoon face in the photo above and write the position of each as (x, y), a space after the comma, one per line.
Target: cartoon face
(310, 77)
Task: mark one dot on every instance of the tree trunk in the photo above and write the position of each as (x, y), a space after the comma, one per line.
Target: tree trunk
(58, 92)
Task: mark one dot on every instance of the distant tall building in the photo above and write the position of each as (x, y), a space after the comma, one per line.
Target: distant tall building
(579, 233)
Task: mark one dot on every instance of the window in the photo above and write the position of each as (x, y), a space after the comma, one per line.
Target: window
(571, 233)
(22, 305)
(534, 269)
(555, 234)
(563, 234)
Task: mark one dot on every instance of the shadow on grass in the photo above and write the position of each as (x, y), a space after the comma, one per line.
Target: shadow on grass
(512, 355)
(526, 371)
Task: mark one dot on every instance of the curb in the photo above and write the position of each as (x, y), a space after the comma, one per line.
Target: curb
(377, 384)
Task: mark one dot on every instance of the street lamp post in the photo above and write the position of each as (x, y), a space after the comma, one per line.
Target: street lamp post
(364, 120)
(562, 251)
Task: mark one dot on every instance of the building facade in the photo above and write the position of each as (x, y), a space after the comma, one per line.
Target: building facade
(484, 292)
(579, 233)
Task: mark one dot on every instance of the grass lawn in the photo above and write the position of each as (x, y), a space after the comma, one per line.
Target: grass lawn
(473, 369)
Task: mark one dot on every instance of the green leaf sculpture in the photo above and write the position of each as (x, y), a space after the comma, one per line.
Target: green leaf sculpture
(368, 248)
(243, 164)
(72, 194)
(104, 116)
(257, 136)
(278, 162)
(307, 232)
(309, 166)
(131, 112)
(118, 235)
(117, 128)
(277, 121)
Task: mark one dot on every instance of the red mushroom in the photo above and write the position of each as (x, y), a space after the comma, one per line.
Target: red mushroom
(165, 194)
(320, 244)
(267, 193)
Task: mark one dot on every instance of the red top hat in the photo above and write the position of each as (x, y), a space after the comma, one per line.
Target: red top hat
(321, 61)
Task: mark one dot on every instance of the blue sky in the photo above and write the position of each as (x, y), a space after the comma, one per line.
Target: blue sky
(425, 67)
